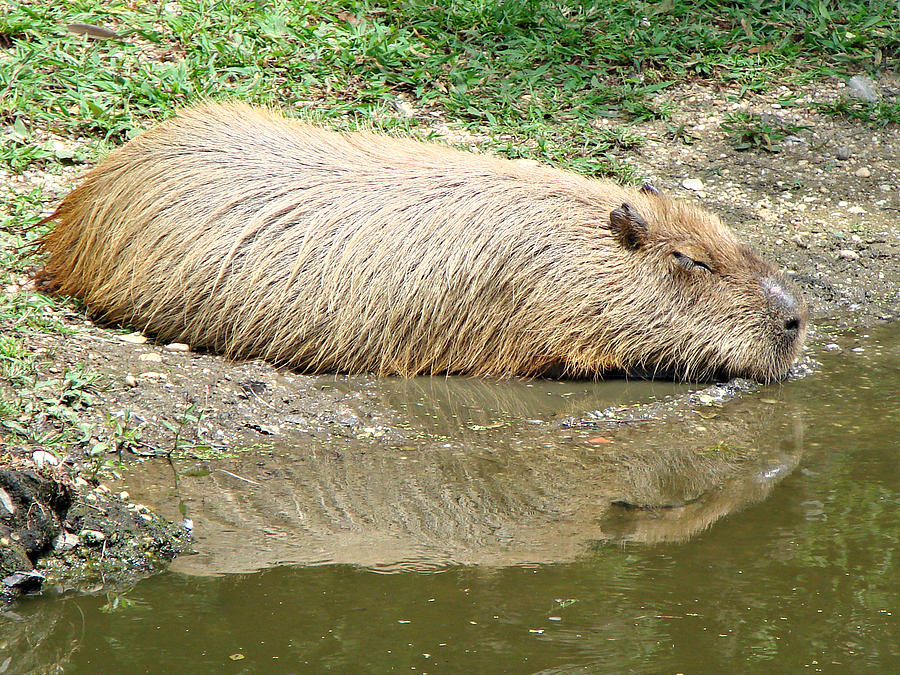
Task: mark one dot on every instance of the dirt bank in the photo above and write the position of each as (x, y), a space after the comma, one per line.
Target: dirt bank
(58, 533)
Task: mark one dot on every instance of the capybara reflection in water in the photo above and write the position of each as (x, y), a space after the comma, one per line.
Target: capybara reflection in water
(236, 229)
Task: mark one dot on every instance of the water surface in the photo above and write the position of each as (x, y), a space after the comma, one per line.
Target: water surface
(757, 536)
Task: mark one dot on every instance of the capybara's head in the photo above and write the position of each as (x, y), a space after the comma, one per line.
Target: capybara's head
(696, 303)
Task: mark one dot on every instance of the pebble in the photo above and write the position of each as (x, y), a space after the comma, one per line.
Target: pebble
(800, 241)
(843, 153)
(832, 347)
(858, 210)
(130, 381)
(25, 582)
(133, 338)
(863, 172)
(694, 184)
(177, 347)
(42, 458)
(848, 254)
(404, 108)
(66, 541)
(152, 357)
(6, 502)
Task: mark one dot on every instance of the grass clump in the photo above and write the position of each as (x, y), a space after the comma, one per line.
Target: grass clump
(750, 131)
(879, 113)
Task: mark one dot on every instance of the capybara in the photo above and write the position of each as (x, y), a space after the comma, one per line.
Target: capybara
(236, 229)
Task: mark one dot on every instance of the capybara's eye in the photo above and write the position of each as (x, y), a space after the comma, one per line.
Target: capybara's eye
(688, 263)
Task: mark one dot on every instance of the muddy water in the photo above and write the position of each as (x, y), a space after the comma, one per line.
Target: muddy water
(481, 533)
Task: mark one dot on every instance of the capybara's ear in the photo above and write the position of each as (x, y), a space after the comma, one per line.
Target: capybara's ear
(649, 188)
(628, 227)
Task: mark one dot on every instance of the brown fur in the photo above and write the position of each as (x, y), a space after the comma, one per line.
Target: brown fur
(235, 229)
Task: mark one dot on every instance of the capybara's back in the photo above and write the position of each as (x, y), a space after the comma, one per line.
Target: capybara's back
(235, 229)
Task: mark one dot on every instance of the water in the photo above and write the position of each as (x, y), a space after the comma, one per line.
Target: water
(756, 537)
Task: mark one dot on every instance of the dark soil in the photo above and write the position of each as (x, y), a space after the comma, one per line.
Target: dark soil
(60, 532)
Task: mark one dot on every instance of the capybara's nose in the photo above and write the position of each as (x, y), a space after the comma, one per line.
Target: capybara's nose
(784, 302)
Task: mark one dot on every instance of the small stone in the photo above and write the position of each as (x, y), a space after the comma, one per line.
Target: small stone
(863, 172)
(404, 108)
(848, 254)
(133, 338)
(832, 347)
(857, 210)
(123, 496)
(6, 502)
(66, 541)
(147, 517)
(43, 458)
(694, 184)
(843, 153)
(177, 347)
(130, 381)
(25, 582)
(152, 357)
(800, 241)
(858, 350)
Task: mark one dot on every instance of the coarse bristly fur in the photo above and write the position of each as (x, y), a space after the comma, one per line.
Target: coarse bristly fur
(236, 229)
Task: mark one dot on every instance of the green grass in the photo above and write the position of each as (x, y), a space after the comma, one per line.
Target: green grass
(531, 74)
(879, 114)
(749, 131)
